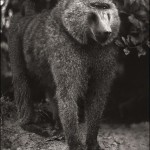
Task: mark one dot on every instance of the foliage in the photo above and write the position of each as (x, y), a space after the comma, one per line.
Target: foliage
(8, 108)
(135, 26)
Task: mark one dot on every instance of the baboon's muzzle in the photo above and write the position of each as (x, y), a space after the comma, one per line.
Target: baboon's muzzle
(102, 37)
(99, 27)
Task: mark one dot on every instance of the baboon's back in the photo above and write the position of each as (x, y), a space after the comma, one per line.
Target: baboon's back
(31, 43)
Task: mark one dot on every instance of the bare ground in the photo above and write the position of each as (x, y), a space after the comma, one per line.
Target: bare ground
(111, 137)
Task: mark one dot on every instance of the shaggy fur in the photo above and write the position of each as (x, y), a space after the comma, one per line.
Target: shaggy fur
(65, 49)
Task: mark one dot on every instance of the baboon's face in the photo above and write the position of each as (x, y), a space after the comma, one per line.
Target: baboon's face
(92, 19)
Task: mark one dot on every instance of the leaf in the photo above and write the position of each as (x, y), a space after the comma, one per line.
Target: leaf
(148, 43)
(138, 24)
(141, 51)
(2, 2)
(119, 43)
(126, 51)
(128, 2)
(128, 38)
(145, 3)
(134, 40)
(142, 13)
(124, 40)
(135, 6)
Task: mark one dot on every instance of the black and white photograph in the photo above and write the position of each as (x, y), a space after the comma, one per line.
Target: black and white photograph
(74, 75)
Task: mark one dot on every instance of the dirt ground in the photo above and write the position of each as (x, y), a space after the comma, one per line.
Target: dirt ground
(111, 137)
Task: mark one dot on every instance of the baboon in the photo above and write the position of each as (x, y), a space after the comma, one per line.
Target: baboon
(70, 49)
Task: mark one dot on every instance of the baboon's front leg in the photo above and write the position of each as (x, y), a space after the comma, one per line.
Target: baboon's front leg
(69, 86)
(94, 107)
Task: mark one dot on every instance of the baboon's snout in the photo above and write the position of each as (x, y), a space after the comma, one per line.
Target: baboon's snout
(99, 26)
(103, 36)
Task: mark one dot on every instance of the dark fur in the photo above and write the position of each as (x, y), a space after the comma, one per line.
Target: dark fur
(57, 49)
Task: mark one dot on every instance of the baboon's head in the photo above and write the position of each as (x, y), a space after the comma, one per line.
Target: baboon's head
(91, 19)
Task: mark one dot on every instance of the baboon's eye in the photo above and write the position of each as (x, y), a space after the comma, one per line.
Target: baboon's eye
(100, 5)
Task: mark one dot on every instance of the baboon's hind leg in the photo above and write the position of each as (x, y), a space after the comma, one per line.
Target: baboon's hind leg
(68, 88)
(53, 108)
(22, 90)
